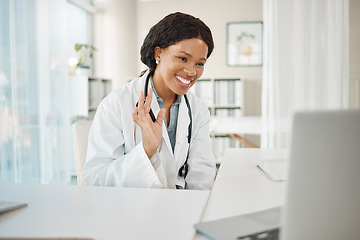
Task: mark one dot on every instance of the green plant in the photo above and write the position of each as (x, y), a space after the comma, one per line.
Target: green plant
(84, 53)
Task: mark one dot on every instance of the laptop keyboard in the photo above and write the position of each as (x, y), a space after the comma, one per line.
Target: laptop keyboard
(272, 234)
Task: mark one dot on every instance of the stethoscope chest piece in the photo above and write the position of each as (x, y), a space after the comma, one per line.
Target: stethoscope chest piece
(183, 171)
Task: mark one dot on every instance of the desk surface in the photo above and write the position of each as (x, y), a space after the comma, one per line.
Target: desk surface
(241, 187)
(101, 212)
(130, 213)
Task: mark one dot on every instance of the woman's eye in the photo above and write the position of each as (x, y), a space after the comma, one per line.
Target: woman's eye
(200, 64)
(183, 59)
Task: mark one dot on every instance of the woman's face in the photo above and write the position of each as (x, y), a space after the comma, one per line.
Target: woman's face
(180, 65)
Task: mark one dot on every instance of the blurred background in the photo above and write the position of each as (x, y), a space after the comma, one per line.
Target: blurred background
(60, 58)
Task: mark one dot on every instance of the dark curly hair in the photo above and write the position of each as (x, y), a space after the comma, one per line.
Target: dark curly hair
(172, 29)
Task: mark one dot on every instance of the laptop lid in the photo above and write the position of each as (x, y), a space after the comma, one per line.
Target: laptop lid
(323, 189)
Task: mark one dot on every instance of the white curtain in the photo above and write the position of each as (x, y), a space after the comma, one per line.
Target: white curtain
(34, 110)
(306, 62)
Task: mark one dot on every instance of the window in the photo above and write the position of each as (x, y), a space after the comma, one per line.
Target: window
(35, 127)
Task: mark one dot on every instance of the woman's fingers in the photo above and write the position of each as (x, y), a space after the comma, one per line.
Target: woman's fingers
(144, 104)
(161, 116)
(148, 100)
(151, 132)
(143, 107)
(135, 114)
(141, 99)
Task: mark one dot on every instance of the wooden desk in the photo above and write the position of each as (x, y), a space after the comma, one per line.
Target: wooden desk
(101, 212)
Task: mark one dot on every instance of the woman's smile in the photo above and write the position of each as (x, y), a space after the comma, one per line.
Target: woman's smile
(184, 80)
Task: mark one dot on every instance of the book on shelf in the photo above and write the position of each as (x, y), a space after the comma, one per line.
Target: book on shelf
(204, 90)
(93, 94)
(227, 92)
(228, 112)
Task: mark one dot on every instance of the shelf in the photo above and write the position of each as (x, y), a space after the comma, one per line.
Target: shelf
(227, 79)
(86, 94)
(226, 107)
(99, 88)
(224, 97)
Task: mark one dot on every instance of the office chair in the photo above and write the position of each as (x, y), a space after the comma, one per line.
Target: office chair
(80, 136)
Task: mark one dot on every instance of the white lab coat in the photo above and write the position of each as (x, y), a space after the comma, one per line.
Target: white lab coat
(116, 157)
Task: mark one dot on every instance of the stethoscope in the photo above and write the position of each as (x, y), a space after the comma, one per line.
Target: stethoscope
(183, 171)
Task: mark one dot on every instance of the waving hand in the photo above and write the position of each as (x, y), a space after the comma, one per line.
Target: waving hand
(151, 131)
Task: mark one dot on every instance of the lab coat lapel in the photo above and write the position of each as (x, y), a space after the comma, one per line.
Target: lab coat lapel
(181, 132)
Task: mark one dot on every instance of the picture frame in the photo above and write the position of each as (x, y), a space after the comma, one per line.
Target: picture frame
(244, 44)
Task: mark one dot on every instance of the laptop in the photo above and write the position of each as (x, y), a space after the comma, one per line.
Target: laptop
(323, 186)
(323, 189)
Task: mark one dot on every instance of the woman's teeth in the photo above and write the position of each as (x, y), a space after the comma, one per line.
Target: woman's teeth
(183, 80)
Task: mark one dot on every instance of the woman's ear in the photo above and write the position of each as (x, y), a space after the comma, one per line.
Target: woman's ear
(157, 53)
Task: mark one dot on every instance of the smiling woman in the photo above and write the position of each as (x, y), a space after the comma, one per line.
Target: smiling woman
(172, 150)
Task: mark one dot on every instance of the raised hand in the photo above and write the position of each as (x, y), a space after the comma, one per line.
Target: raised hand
(151, 131)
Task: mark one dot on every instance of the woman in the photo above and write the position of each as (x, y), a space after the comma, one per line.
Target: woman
(139, 150)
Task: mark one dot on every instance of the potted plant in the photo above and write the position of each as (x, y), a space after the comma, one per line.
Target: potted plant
(84, 54)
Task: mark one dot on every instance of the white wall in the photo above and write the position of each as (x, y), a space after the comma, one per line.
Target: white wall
(115, 39)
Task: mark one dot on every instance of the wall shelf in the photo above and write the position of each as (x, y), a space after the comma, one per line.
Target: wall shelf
(224, 97)
(86, 95)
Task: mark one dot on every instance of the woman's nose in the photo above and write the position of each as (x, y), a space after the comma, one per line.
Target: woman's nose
(190, 70)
